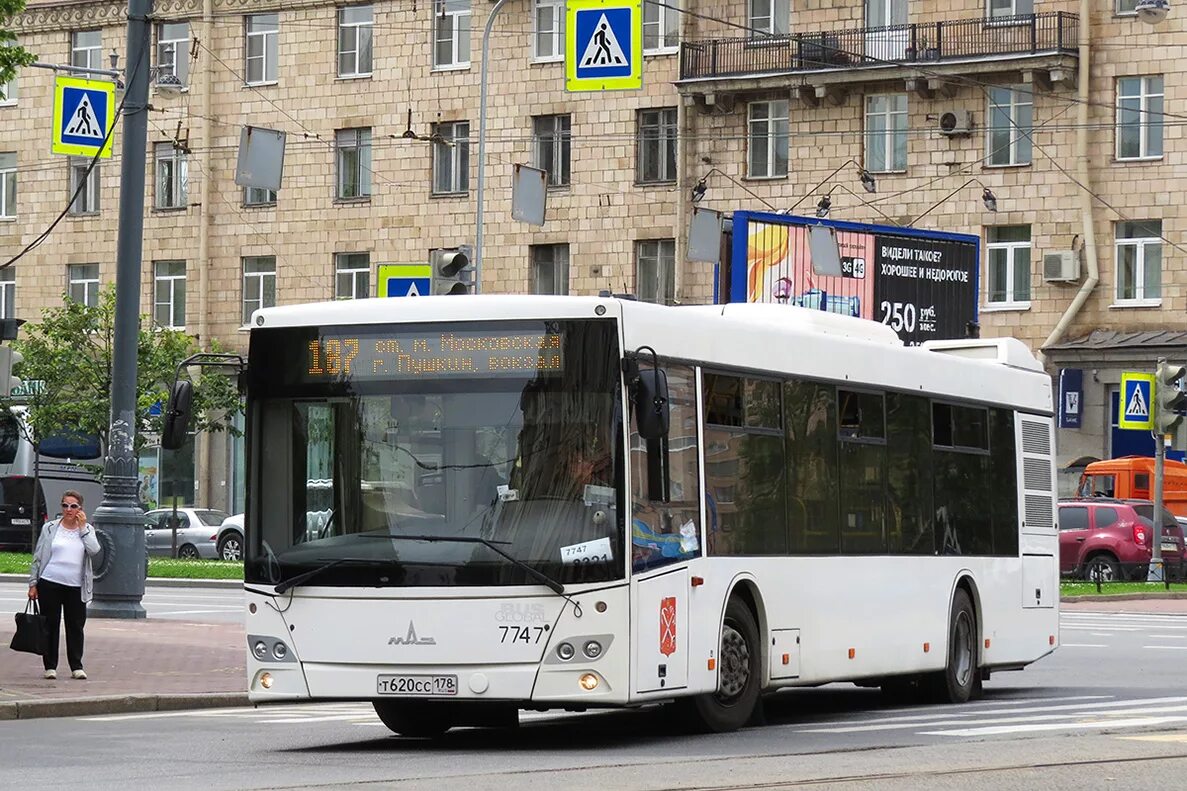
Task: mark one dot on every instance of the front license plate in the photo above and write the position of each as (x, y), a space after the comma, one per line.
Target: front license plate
(418, 686)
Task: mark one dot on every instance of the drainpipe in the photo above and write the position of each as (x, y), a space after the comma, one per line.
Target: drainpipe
(1083, 173)
(205, 194)
(682, 192)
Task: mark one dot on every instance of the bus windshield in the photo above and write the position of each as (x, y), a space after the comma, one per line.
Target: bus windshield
(368, 443)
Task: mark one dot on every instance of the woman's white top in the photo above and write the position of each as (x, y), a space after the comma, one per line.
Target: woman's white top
(65, 560)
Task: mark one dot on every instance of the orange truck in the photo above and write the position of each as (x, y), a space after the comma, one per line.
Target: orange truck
(1132, 478)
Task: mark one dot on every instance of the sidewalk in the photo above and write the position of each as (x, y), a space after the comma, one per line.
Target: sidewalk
(145, 665)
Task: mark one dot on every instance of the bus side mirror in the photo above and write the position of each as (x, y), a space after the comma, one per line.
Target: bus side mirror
(652, 411)
(177, 415)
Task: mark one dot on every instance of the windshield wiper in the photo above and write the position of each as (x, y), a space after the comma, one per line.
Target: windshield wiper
(539, 576)
(305, 576)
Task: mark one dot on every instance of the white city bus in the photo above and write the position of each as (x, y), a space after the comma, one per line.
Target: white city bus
(526, 515)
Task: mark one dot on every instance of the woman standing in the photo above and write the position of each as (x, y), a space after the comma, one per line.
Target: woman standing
(62, 580)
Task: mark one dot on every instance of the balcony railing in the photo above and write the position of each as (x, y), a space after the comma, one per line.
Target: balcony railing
(863, 48)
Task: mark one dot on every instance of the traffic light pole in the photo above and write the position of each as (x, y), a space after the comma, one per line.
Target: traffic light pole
(1157, 573)
(119, 577)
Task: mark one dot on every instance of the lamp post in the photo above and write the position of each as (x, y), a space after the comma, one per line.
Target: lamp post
(119, 580)
(490, 22)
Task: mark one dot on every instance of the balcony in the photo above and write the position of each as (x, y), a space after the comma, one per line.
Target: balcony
(1044, 43)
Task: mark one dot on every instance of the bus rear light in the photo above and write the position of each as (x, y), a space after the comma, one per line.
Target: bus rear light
(926, 647)
(697, 581)
(852, 653)
(588, 682)
(712, 663)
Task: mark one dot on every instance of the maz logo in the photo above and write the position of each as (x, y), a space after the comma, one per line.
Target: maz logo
(411, 638)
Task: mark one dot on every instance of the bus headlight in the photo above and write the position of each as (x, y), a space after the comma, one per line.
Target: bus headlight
(266, 681)
(260, 649)
(566, 651)
(592, 649)
(588, 682)
(280, 651)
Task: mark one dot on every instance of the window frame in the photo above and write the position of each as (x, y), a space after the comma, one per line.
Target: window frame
(356, 140)
(173, 306)
(353, 272)
(247, 194)
(8, 187)
(1010, 248)
(357, 31)
(94, 54)
(665, 137)
(441, 12)
(1020, 136)
(178, 54)
(559, 267)
(89, 285)
(769, 137)
(8, 292)
(664, 265)
(446, 147)
(892, 120)
(1145, 124)
(552, 148)
(178, 176)
(556, 36)
(268, 37)
(1140, 244)
(666, 26)
(260, 279)
(88, 201)
(776, 10)
(1010, 18)
(9, 92)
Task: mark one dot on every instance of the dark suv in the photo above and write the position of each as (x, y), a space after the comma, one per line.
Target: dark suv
(1112, 538)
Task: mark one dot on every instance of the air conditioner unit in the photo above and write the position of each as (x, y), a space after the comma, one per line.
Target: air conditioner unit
(1061, 266)
(956, 122)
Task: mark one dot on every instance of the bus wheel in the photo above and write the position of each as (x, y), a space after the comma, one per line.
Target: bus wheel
(409, 718)
(739, 670)
(960, 680)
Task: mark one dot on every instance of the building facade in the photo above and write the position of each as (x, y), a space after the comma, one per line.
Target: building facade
(1063, 111)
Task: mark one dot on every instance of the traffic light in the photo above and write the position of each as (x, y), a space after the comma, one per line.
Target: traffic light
(1167, 395)
(452, 273)
(9, 358)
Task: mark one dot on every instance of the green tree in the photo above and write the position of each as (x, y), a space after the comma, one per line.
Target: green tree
(71, 351)
(11, 56)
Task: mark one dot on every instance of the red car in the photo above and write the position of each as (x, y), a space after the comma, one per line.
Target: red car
(1113, 538)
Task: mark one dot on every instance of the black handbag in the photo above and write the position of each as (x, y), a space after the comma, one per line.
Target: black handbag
(31, 630)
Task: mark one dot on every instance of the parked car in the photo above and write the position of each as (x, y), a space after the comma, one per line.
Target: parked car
(229, 543)
(197, 532)
(1112, 538)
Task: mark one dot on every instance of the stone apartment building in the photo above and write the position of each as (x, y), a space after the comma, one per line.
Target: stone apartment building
(758, 104)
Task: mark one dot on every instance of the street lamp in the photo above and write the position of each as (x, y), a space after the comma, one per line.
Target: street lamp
(1152, 11)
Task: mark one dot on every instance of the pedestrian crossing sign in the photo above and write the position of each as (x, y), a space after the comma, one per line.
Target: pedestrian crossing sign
(603, 45)
(405, 280)
(84, 111)
(1137, 393)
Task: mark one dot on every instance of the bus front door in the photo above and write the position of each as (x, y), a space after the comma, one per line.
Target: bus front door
(661, 632)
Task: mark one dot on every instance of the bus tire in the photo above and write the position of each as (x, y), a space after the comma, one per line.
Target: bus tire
(414, 719)
(739, 674)
(960, 679)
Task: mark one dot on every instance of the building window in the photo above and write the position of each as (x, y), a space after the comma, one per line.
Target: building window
(548, 34)
(1127, 7)
(8, 293)
(354, 163)
(655, 270)
(768, 140)
(451, 34)
(1139, 117)
(83, 281)
(553, 145)
(171, 176)
(355, 24)
(657, 145)
(352, 273)
(8, 185)
(8, 89)
(259, 284)
(263, 34)
(768, 17)
(886, 133)
(1011, 121)
(86, 200)
(258, 196)
(1002, 9)
(1139, 261)
(1009, 264)
(173, 50)
(169, 294)
(86, 50)
(661, 27)
(451, 158)
(550, 269)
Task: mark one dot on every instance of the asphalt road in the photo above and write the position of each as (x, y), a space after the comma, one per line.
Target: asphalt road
(1107, 710)
(180, 603)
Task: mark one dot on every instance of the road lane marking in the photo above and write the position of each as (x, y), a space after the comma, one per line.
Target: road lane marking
(1137, 722)
(1168, 647)
(1082, 645)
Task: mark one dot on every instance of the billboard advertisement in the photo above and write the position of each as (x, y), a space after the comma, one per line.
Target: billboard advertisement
(923, 284)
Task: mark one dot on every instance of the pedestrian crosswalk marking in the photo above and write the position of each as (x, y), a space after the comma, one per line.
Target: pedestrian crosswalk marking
(603, 48)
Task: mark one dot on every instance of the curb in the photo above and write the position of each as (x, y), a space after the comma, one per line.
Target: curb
(154, 582)
(118, 704)
(1125, 596)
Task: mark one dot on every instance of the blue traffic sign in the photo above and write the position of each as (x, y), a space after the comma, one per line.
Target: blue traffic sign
(603, 45)
(83, 113)
(405, 280)
(1137, 392)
